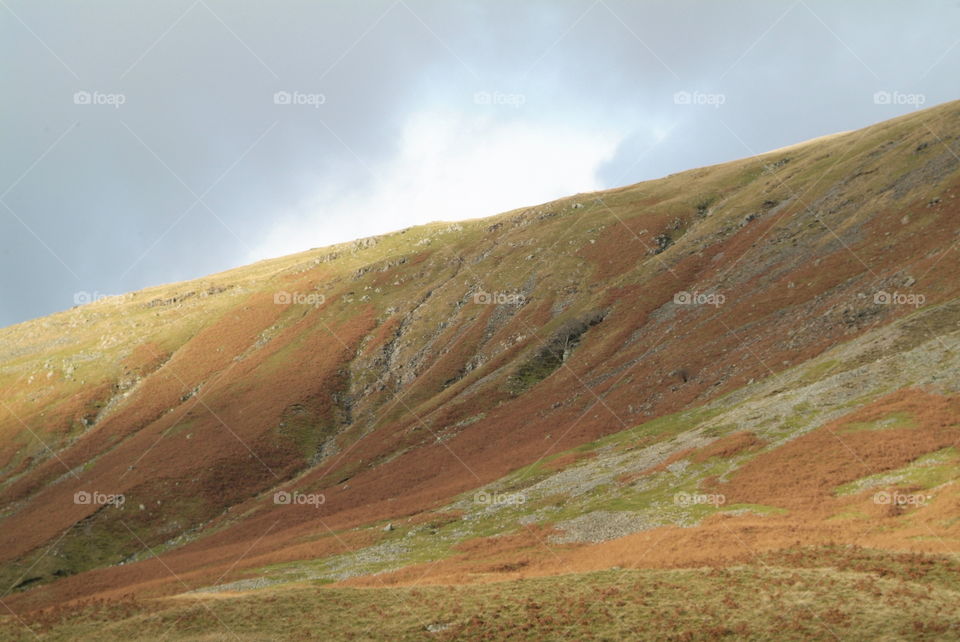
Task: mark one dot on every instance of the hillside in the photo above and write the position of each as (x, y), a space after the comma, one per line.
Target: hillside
(752, 368)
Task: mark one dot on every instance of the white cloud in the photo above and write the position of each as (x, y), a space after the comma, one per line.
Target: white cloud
(448, 167)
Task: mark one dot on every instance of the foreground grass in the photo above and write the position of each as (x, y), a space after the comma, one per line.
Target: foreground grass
(827, 593)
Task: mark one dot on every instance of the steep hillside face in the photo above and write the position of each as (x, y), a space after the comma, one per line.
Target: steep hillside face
(391, 375)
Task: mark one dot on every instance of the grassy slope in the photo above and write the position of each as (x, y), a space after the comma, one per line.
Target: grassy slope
(196, 379)
(825, 593)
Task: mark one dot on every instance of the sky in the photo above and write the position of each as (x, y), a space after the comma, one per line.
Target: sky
(149, 142)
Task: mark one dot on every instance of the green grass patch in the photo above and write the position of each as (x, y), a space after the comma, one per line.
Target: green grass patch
(892, 421)
(929, 471)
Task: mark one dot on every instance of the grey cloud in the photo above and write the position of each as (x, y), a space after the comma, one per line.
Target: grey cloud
(106, 214)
